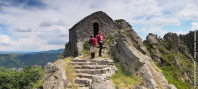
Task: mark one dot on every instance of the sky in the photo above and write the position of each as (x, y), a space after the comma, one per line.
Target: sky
(39, 25)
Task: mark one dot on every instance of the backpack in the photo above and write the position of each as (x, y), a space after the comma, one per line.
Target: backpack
(95, 41)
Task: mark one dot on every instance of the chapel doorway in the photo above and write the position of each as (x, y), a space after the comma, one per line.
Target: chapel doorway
(96, 29)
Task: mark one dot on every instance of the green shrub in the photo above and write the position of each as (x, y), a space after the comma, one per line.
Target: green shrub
(108, 39)
(120, 20)
(61, 56)
(86, 45)
(149, 46)
(127, 35)
(4, 70)
(19, 80)
(169, 45)
(119, 31)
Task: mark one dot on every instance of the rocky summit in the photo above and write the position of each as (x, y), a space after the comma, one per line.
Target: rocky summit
(156, 63)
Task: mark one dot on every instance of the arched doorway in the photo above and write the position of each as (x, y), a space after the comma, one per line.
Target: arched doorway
(95, 28)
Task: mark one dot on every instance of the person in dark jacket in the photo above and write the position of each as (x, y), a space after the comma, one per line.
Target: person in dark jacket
(91, 44)
(100, 38)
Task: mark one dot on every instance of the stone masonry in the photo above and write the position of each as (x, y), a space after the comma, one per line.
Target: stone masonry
(98, 21)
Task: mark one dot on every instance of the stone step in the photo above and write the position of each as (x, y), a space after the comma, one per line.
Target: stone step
(83, 87)
(79, 60)
(89, 76)
(82, 63)
(103, 62)
(92, 71)
(83, 81)
(79, 87)
(90, 66)
(92, 60)
(93, 63)
(83, 75)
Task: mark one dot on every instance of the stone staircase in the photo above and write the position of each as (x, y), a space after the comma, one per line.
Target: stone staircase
(87, 68)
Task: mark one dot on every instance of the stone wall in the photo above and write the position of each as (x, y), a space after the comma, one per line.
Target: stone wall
(82, 30)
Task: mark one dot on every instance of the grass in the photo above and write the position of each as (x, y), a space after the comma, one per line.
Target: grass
(39, 84)
(149, 46)
(157, 69)
(124, 79)
(169, 69)
(67, 58)
(86, 45)
(106, 56)
(172, 73)
(120, 20)
(135, 44)
(119, 31)
(109, 39)
(70, 72)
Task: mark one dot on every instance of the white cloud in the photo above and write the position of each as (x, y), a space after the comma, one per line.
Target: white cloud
(21, 36)
(153, 30)
(160, 22)
(6, 41)
(47, 28)
(181, 32)
(49, 23)
(45, 24)
(195, 26)
(22, 29)
(171, 5)
(155, 24)
(190, 12)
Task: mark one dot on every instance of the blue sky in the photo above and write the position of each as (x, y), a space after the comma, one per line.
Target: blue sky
(36, 25)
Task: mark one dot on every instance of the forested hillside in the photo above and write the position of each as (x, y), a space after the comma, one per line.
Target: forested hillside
(17, 61)
(30, 77)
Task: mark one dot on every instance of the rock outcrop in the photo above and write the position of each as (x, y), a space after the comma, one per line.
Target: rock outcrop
(54, 77)
(99, 83)
(152, 39)
(136, 39)
(122, 24)
(178, 47)
(158, 58)
(178, 43)
(177, 63)
(129, 50)
(188, 40)
(139, 87)
(137, 63)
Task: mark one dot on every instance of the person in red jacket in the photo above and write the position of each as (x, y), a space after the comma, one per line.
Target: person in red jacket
(100, 38)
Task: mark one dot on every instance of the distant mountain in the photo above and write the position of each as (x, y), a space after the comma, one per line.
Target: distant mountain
(14, 52)
(32, 53)
(17, 61)
(47, 52)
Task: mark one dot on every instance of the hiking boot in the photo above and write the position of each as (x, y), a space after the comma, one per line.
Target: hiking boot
(100, 55)
(92, 55)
